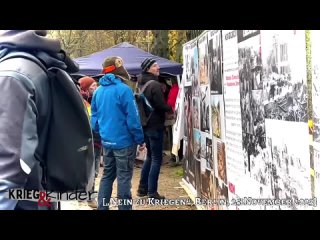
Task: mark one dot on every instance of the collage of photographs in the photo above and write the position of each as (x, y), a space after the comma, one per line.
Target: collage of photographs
(272, 88)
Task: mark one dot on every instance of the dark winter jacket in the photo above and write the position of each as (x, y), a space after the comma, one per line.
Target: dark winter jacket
(24, 111)
(155, 96)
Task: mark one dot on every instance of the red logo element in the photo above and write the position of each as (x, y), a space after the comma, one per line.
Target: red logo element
(232, 188)
(42, 200)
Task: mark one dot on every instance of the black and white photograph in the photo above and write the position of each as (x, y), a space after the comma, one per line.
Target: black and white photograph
(245, 104)
(255, 156)
(284, 75)
(196, 113)
(209, 153)
(197, 144)
(215, 61)
(316, 177)
(315, 48)
(205, 109)
(258, 124)
(203, 59)
(258, 113)
(187, 55)
(250, 61)
(313, 192)
(290, 164)
(250, 66)
(259, 163)
(316, 125)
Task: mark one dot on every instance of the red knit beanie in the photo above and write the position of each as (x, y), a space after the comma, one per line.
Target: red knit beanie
(85, 83)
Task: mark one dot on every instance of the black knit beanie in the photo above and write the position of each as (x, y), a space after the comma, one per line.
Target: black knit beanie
(147, 63)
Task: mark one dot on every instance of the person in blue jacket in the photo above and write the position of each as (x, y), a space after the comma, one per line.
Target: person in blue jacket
(115, 116)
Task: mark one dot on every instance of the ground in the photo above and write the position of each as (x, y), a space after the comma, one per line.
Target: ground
(169, 186)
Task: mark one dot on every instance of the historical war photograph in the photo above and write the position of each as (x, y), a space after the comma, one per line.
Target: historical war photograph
(198, 177)
(206, 184)
(216, 116)
(245, 104)
(316, 126)
(197, 144)
(221, 158)
(185, 163)
(188, 112)
(195, 71)
(205, 109)
(284, 75)
(187, 54)
(188, 163)
(196, 113)
(209, 153)
(259, 163)
(257, 110)
(215, 61)
(203, 145)
(203, 59)
(254, 150)
(290, 164)
(250, 66)
(221, 194)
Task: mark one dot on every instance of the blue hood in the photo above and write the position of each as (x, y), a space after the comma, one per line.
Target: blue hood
(115, 115)
(109, 79)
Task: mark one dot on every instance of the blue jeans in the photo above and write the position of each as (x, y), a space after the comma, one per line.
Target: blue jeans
(151, 167)
(118, 163)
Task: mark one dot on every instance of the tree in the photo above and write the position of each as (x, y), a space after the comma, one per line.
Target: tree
(79, 43)
(176, 39)
(191, 34)
(160, 43)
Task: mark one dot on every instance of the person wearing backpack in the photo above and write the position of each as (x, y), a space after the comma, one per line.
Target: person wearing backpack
(87, 86)
(115, 116)
(25, 115)
(153, 131)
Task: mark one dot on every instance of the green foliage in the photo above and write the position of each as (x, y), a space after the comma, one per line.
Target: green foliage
(179, 172)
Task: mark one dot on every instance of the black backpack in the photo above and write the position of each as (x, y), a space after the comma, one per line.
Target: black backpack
(144, 107)
(68, 157)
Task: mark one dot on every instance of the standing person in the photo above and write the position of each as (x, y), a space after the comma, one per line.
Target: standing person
(24, 111)
(153, 131)
(172, 98)
(87, 86)
(115, 116)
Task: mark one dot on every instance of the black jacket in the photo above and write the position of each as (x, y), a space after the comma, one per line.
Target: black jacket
(24, 112)
(155, 96)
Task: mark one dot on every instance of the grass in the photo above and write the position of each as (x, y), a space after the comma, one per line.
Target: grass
(179, 171)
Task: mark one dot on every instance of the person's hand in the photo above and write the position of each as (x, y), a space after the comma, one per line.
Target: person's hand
(142, 147)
